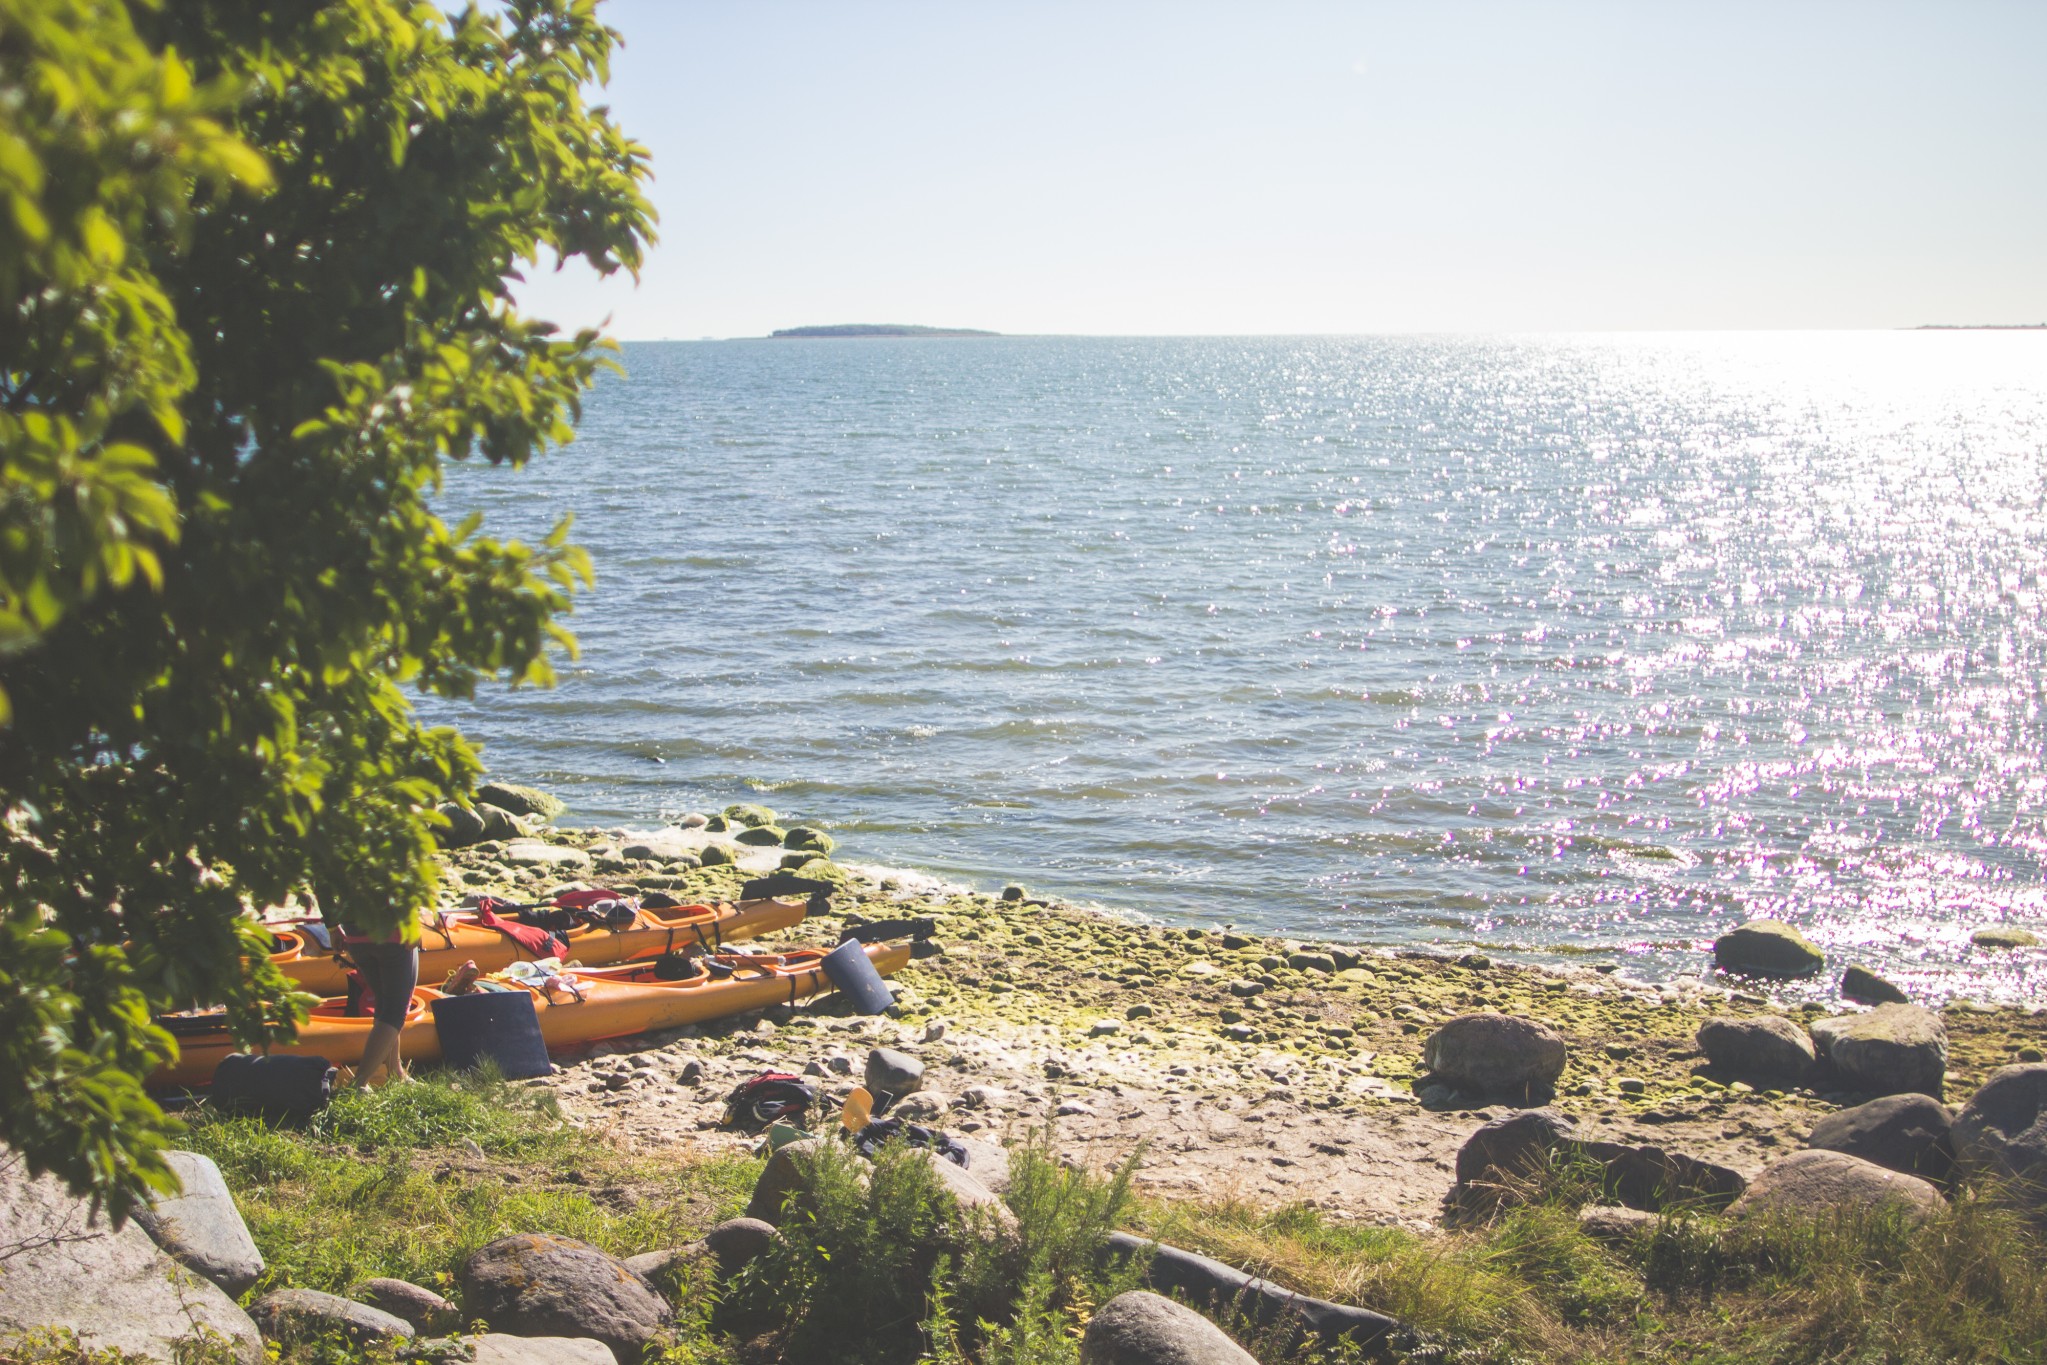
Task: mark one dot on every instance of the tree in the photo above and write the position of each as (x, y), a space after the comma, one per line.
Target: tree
(255, 261)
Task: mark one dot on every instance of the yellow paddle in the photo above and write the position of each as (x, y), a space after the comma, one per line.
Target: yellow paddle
(859, 1109)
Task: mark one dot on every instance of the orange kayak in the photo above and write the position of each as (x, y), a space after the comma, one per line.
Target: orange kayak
(460, 939)
(605, 1002)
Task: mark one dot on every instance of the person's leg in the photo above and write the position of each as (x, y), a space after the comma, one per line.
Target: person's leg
(393, 972)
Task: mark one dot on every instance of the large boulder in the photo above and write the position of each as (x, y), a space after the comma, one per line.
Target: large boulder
(428, 1312)
(1763, 1046)
(1497, 1054)
(1766, 947)
(1512, 1150)
(1891, 1050)
(538, 1284)
(2002, 1130)
(498, 823)
(303, 1314)
(1142, 1328)
(1906, 1133)
(785, 1176)
(463, 828)
(1517, 1147)
(738, 1241)
(1221, 1288)
(510, 796)
(496, 1348)
(201, 1228)
(1812, 1183)
(115, 1290)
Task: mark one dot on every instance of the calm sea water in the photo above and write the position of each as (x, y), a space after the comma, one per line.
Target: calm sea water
(1549, 646)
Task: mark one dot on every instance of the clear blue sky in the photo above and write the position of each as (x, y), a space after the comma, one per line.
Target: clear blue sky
(1132, 168)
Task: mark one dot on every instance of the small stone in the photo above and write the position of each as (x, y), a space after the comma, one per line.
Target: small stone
(1236, 942)
(692, 1073)
(890, 1072)
(934, 1031)
(1244, 989)
(1615, 1223)
(2005, 936)
(1013, 893)
(1630, 1085)
(1069, 1109)
(1864, 986)
(1312, 962)
(520, 800)
(1103, 1028)
(1138, 1012)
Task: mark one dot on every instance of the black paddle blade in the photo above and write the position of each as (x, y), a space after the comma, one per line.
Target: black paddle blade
(778, 884)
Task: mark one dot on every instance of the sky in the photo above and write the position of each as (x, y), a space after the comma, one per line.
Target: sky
(1124, 168)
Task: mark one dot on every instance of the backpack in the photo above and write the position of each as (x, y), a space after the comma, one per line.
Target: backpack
(769, 1097)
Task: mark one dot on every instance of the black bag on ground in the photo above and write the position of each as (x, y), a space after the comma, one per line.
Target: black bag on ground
(282, 1089)
(499, 1026)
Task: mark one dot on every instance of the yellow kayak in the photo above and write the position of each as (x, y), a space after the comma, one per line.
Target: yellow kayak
(580, 1005)
(458, 938)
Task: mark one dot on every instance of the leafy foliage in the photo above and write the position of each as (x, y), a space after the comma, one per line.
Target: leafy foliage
(255, 259)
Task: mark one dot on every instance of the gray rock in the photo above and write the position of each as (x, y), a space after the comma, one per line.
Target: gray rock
(1515, 1147)
(1764, 1046)
(1497, 1054)
(921, 1107)
(1767, 947)
(1806, 1183)
(538, 1284)
(534, 853)
(890, 1072)
(1222, 1288)
(972, 1195)
(2002, 1130)
(509, 796)
(116, 1290)
(201, 1228)
(497, 822)
(464, 827)
(1891, 1050)
(1511, 1151)
(299, 1314)
(663, 846)
(782, 1178)
(1311, 962)
(649, 1265)
(736, 1241)
(1142, 1328)
(1906, 1133)
(1860, 984)
(495, 1348)
(696, 819)
(1616, 1223)
(987, 1163)
(428, 1312)
(2005, 937)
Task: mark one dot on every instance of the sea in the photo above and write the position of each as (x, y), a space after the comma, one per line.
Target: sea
(1560, 648)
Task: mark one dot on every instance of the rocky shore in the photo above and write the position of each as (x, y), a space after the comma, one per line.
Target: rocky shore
(1265, 1070)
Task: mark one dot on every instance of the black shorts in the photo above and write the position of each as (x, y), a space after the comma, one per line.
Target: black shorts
(391, 971)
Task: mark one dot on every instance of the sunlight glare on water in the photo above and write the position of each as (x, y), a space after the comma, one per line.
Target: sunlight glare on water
(1557, 645)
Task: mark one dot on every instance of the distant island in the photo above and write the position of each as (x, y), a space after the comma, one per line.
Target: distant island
(878, 329)
(1981, 327)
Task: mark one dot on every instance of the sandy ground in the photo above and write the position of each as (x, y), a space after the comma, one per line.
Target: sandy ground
(1128, 1036)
